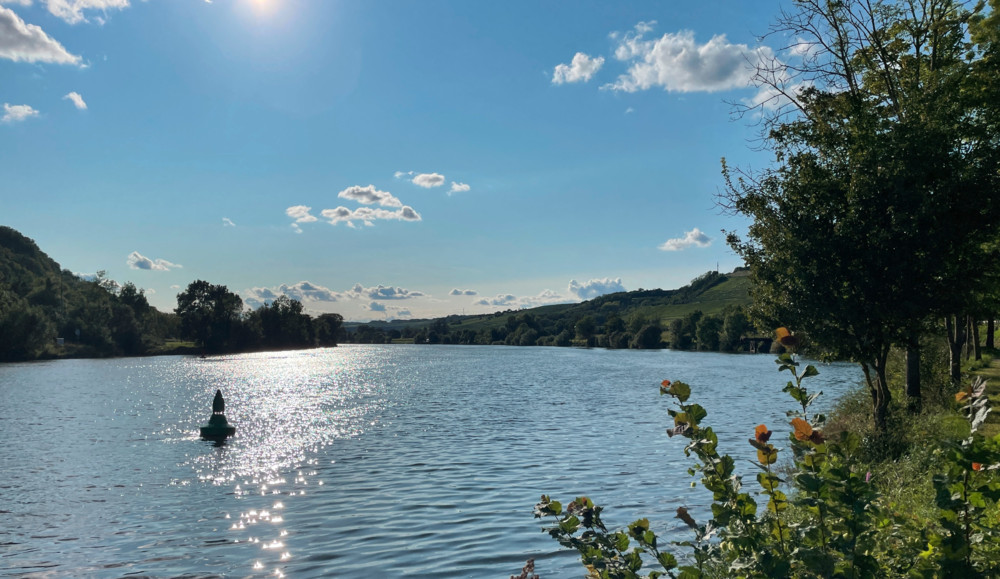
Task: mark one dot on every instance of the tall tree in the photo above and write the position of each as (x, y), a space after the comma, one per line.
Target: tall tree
(874, 217)
(209, 314)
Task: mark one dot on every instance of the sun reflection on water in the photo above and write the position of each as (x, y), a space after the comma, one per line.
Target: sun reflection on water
(286, 407)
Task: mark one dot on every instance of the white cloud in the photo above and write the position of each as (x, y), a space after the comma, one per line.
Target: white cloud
(296, 228)
(227, 222)
(582, 68)
(17, 113)
(138, 261)
(458, 188)
(428, 180)
(403, 174)
(370, 195)
(693, 238)
(677, 63)
(72, 10)
(381, 292)
(629, 111)
(376, 307)
(300, 213)
(510, 300)
(303, 291)
(463, 292)
(499, 300)
(368, 216)
(22, 42)
(77, 100)
(595, 287)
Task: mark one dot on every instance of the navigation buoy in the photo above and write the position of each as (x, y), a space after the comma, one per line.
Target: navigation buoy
(218, 428)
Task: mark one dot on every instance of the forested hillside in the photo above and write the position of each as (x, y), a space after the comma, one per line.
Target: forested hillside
(40, 302)
(48, 312)
(707, 314)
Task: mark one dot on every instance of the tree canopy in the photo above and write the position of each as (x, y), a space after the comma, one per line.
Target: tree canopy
(878, 209)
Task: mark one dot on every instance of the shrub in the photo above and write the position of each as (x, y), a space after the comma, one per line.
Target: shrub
(833, 521)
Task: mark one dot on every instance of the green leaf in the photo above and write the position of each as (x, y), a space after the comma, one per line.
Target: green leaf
(667, 560)
(621, 541)
(696, 413)
(810, 371)
(680, 391)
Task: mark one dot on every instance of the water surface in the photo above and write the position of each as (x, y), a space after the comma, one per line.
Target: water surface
(357, 461)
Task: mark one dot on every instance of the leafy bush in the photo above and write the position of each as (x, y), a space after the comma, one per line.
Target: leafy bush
(833, 521)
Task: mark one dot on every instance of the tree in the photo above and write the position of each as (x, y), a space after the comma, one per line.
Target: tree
(585, 328)
(707, 332)
(329, 329)
(210, 314)
(735, 325)
(648, 338)
(874, 218)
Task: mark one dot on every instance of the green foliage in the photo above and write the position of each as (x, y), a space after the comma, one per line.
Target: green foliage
(39, 303)
(617, 319)
(824, 516)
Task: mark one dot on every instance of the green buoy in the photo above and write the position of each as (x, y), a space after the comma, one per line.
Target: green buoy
(218, 428)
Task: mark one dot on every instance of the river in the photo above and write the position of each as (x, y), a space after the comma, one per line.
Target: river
(356, 461)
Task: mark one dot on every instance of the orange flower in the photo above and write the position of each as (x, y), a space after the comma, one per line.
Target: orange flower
(762, 434)
(665, 383)
(977, 466)
(960, 396)
(785, 338)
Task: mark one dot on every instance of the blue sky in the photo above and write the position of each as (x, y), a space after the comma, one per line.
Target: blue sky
(378, 159)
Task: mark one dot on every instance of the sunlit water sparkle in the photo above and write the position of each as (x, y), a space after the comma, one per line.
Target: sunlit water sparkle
(358, 461)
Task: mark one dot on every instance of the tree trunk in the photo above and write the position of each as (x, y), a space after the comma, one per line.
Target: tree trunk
(991, 328)
(956, 339)
(976, 350)
(913, 399)
(968, 335)
(878, 387)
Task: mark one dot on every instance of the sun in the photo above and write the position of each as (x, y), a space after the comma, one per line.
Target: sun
(263, 7)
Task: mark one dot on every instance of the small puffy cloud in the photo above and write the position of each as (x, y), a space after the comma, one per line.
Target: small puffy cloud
(381, 292)
(368, 216)
(376, 307)
(17, 113)
(463, 292)
(693, 238)
(595, 287)
(300, 213)
(303, 291)
(629, 111)
(510, 300)
(403, 174)
(458, 188)
(677, 63)
(498, 300)
(428, 180)
(138, 261)
(78, 101)
(370, 196)
(227, 222)
(582, 68)
(22, 42)
(296, 228)
(72, 10)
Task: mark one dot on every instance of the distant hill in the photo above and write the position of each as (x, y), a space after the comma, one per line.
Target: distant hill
(636, 319)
